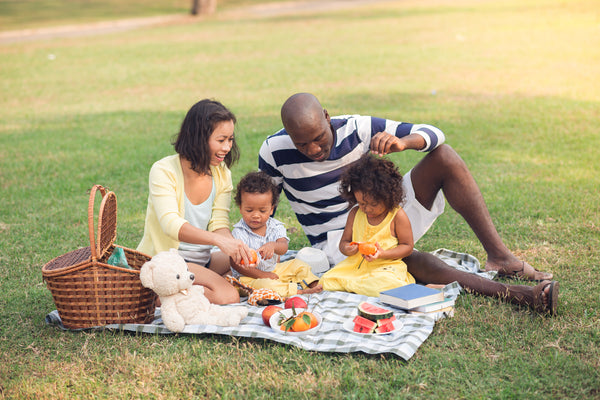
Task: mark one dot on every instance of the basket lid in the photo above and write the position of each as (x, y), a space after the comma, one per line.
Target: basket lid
(107, 222)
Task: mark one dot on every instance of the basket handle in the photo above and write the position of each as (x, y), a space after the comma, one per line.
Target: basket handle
(106, 196)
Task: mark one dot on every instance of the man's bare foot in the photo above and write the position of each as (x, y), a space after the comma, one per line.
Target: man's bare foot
(317, 288)
(517, 269)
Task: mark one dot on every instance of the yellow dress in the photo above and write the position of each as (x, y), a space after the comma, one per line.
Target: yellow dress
(357, 275)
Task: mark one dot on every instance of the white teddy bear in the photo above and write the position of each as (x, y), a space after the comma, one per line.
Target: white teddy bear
(182, 302)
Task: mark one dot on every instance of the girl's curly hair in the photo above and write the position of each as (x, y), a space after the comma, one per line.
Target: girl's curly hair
(256, 182)
(377, 177)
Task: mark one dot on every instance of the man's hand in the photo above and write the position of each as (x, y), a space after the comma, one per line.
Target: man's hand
(384, 143)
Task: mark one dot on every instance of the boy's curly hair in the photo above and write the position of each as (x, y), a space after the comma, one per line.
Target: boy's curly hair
(256, 182)
(377, 177)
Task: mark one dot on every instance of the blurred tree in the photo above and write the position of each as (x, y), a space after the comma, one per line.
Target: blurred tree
(203, 7)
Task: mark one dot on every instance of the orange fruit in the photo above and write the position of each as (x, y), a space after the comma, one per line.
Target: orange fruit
(253, 258)
(300, 323)
(366, 248)
(313, 319)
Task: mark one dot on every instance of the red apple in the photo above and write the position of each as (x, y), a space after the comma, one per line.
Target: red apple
(268, 312)
(296, 301)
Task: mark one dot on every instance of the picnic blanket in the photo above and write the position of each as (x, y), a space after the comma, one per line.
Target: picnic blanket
(335, 308)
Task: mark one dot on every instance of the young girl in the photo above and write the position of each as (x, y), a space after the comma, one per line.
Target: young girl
(375, 185)
(190, 197)
(257, 197)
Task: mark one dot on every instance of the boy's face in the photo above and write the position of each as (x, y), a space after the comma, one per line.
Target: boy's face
(256, 208)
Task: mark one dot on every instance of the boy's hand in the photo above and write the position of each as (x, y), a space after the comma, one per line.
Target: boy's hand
(271, 275)
(267, 251)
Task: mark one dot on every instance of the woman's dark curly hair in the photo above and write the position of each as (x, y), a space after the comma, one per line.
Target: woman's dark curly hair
(192, 140)
(379, 178)
(256, 182)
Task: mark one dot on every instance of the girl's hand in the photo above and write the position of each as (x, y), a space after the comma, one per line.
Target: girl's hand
(267, 251)
(374, 256)
(350, 248)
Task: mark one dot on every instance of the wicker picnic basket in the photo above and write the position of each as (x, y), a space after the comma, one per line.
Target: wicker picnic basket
(87, 291)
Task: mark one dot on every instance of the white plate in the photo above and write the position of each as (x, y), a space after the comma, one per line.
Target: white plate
(349, 326)
(288, 313)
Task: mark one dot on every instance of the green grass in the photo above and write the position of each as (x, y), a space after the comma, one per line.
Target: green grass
(513, 84)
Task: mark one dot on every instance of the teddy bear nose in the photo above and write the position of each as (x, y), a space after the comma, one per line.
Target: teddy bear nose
(192, 277)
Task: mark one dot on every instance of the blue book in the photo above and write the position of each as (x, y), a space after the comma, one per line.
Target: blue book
(411, 296)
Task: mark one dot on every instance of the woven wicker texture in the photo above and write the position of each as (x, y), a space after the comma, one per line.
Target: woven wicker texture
(88, 292)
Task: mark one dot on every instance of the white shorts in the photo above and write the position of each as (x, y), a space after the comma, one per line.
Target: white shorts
(420, 218)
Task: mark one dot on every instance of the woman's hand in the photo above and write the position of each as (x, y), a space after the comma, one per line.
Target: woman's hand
(235, 249)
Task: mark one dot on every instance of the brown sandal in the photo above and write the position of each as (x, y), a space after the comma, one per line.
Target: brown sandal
(534, 296)
(552, 297)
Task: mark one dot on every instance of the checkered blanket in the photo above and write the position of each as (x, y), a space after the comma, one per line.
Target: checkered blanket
(335, 308)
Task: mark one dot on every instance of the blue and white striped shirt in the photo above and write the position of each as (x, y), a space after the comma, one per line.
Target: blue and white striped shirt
(312, 186)
(275, 230)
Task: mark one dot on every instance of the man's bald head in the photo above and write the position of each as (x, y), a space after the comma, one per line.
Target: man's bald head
(299, 111)
(308, 125)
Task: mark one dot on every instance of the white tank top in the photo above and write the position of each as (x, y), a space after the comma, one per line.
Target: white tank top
(198, 215)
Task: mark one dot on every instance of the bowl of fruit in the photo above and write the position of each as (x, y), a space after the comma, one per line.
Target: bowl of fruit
(295, 321)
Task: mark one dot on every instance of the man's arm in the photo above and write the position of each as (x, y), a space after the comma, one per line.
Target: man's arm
(420, 137)
(384, 143)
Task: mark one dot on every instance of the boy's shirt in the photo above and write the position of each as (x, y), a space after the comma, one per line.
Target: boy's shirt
(275, 230)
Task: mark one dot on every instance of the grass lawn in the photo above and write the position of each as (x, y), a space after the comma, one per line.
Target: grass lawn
(513, 84)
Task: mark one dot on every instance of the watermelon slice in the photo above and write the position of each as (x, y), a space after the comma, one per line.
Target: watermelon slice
(386, 327)
(372, 312)
(386, 321)
(362, 329)
(363, 325)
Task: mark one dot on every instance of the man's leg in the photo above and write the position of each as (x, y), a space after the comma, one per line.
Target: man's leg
(444, 169)
(427, 268)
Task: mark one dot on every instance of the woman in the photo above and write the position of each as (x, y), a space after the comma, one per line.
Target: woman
(190, 196)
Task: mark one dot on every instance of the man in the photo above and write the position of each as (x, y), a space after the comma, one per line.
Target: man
(307, 157)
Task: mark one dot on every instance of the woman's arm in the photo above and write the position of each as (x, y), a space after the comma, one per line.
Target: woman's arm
(234, 248)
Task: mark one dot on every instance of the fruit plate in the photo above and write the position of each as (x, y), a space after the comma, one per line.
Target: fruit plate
(275, 318)
(349, 326)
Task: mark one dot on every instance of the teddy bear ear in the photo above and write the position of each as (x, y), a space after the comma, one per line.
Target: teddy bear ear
(146, 274)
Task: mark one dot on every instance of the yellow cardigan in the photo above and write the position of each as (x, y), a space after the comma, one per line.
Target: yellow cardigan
(165, 212)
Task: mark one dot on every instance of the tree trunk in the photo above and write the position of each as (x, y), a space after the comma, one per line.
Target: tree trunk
(203, 7)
